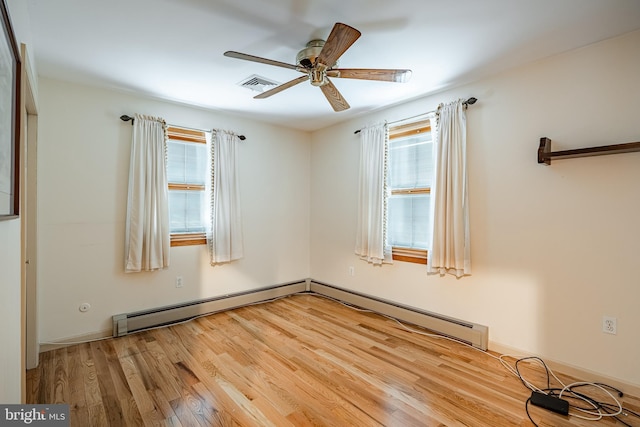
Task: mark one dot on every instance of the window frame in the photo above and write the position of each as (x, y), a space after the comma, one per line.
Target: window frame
(400, 253)
(195, 136)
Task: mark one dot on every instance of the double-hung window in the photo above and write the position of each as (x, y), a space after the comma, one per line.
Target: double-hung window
(186, 174)
(410, 171)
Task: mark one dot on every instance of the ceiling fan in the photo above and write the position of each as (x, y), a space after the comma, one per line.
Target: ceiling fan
(317, 62)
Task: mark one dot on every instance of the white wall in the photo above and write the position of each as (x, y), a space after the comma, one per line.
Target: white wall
(554, 248)
(83, 174)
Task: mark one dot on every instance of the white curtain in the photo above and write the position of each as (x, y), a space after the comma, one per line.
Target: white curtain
(371, 242)
(147, 240)
(224, 228)
(450, 247)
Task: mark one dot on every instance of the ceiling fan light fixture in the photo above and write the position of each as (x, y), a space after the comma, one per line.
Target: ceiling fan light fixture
(318, 77)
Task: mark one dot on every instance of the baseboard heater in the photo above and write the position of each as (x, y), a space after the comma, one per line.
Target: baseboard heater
(131, 322)
(471, 333)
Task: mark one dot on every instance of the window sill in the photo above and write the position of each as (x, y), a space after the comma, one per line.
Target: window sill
(417, 256)
(189, 239)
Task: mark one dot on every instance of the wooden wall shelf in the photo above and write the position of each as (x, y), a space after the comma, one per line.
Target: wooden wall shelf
(545, 154)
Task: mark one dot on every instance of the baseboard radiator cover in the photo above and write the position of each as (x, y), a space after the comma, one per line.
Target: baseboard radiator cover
(470, 333)
(127, 323)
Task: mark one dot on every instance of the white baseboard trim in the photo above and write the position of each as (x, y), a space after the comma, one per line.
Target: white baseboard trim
(77, 339)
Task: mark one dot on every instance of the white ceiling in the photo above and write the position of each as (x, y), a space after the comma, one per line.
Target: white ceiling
(173, 49)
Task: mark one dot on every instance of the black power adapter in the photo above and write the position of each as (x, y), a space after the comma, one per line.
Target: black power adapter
(549, 402)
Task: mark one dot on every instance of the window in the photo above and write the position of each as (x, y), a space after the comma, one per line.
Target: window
(410, 175)
(186, 173)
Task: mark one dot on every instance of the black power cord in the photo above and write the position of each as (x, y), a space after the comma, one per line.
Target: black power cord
(526, 408)
(573, 396)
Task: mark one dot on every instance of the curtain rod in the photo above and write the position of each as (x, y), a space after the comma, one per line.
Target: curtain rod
(466, 103)
(126, 118)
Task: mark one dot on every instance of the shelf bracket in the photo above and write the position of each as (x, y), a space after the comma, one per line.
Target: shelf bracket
(545, 154)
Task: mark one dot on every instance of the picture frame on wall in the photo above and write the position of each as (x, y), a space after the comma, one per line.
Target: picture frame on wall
(9, 119)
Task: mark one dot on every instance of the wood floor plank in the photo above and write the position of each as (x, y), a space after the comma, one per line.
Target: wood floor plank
(61, 370)
(108, 388)
(135, 379)
(220, 416)
(32, 384)
(297, 361)
(162, 373)
(129, 411)
(77, 394)
(96, 412)
(96, 416)
(222, 401)
(45, 388)
(166, 338)
(183, 413)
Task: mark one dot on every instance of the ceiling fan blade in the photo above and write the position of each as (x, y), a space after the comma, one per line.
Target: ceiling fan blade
(398, 76)
(246, 57)
(340, 39)
(281, 87)
(334, 97)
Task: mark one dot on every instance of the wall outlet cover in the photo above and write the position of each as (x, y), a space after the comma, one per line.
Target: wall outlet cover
(609, 325)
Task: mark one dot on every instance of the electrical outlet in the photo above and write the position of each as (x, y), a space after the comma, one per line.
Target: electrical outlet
(609, 325)
(178, 281)
(352, 271)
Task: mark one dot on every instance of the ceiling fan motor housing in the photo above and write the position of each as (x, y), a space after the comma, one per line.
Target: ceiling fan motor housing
(307, 56)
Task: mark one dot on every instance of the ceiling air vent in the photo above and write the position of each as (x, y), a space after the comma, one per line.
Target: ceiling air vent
(258, 83)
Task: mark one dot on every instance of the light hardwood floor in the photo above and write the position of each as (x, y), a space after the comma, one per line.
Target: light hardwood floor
(298, 361)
